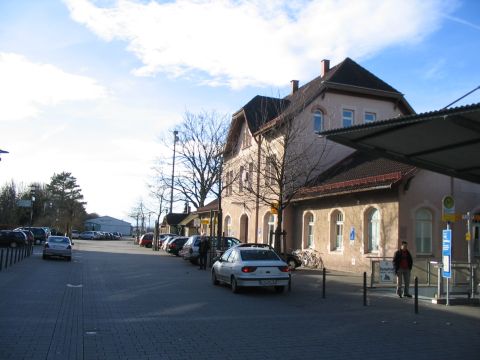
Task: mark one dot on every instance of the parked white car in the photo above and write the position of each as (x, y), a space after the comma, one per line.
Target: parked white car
(251, 266)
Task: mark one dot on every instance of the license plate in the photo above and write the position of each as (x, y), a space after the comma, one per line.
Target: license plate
(268, 282)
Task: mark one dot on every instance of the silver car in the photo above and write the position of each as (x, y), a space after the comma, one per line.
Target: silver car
(58, 246)
(251, 266)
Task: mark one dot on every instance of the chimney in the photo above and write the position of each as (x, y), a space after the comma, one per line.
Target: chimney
(294, 85)
(325, 67)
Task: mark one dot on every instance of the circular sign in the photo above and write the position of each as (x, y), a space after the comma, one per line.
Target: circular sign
(448, 202)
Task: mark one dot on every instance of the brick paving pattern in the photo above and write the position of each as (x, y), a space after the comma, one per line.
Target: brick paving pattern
(118, 301)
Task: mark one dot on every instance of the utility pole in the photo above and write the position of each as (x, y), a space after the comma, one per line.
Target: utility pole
(175, 138)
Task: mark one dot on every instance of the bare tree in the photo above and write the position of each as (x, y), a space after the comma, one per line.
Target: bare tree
(201, 138)
(286, 159)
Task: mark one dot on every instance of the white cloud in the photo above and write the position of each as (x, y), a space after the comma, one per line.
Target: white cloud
(27, 87)
(240, 43)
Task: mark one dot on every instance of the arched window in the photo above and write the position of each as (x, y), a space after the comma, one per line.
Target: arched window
(228, 226)
(318, 121)
(336, 220)
(423, 231)
(373, 230)
(308, 230)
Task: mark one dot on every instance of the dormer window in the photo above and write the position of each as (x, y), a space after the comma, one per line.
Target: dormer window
(318, 121)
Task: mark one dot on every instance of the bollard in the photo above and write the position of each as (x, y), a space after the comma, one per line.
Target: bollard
(11, 256)
(1, 259)
(6, 259)
(290, 283)
(15, 257)
(364, 288)
(416, 295)
(323, 283)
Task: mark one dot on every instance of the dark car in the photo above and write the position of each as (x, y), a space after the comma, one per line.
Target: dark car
(30, 237)
(13, 238)
(190, 250)
(292, 260)
(176, 245)
(40, 234)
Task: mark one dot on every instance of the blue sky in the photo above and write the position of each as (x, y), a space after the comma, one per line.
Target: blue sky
(90, 86)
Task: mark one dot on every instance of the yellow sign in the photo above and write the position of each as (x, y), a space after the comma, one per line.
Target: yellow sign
(205, 221)
(448, 209)
(468, 237)
(274, 208)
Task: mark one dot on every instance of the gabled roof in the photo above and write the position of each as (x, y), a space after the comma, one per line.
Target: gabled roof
(107, 219)
(213, 205)
(264, 112)
(174, 218)
(347, 76)
(356, 173)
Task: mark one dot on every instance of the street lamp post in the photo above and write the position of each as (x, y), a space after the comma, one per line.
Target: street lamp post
(175, 138)
(32, 194)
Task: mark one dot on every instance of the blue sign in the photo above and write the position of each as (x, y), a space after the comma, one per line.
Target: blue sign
(447, 253)
(352, 234)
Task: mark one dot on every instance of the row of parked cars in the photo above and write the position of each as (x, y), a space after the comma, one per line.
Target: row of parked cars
(96, 235)
(234, 263)
(53, 245)
(22, 236)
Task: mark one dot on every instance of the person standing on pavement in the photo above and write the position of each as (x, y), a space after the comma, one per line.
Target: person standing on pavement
(403, 262)
(203, 251)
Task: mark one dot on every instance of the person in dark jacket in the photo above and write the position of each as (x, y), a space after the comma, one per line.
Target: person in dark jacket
(403, 262)
(203, 252)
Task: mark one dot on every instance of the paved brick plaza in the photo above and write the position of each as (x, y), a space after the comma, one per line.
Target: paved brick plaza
(118, 301)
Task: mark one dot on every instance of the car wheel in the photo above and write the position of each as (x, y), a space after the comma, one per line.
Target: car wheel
(279, 289)
(233, 284)
(214, 278)
(291, 264)
(44, 257)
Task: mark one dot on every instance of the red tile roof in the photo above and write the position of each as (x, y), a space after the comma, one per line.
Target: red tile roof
(357, 173)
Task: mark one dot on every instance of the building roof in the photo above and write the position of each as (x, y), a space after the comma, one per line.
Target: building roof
(446, 141)
(108, 219)
(213, 205)
(263, 112)
(174, 218)
(356, 173)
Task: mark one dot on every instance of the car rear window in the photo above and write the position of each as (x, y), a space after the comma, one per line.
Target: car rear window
(258, 255)
(58, 240)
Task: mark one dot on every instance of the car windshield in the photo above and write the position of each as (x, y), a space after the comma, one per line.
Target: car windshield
(58, 240)
(258, 255)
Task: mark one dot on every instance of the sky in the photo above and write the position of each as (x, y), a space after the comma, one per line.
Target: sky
(92, 87)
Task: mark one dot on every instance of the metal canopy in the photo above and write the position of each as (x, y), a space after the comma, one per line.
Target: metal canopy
(444, 141)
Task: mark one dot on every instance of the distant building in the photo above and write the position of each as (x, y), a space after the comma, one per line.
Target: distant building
(109, 224)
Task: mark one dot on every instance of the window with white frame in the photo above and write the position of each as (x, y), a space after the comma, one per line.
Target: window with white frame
(337, 220)
(423, 231)
(309, 230)
(247, 139)
(269, 171)
(347, 117)
(373, 230)
(369, 117)
(271, 228)
(318, 121)
(228, 226)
